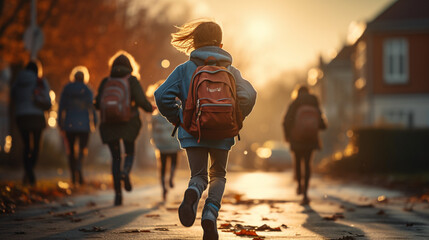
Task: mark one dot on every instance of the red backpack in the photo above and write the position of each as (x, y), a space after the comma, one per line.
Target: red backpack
(306, 124)
(115, 104)
(212, 110)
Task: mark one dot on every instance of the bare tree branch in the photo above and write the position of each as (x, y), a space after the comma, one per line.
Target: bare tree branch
(1, 6)
(12, 17)
(49, 12)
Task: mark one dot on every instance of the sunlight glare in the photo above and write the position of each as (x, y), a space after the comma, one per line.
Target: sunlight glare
(259, 31)
(8, 144)
(258, 185)
(356, 30)
(52, 122)
(52, 95)
(165, 63)
(360, 83)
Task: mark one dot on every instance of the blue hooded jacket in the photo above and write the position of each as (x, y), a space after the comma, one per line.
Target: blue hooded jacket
(76, 105)
(177, 85)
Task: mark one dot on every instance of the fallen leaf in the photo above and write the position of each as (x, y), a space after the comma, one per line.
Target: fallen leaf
(91, 204)
(409, 224)
(225, 226)
(152, 215)
(244, 232)
(162, 229)
(381, 212)
(365, 206)
(334, 217)
(265, 227)
(135, 231)
(346, 238)
(66, 214)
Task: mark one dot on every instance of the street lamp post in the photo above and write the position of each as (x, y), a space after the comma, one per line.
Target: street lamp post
(33, 36)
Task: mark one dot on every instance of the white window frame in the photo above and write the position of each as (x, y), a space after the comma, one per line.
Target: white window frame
(395, 61)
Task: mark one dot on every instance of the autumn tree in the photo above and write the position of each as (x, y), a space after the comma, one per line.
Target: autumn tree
(87, 33)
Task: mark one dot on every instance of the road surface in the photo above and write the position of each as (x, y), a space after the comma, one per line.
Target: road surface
(252, 199)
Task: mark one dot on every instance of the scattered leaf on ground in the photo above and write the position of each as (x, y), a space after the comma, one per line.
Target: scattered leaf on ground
(152, 215)
(381, 212)
(334, 217)
(346, 238)
(162, 229)
(225, 226)
(66, 214)
(409, 224)
(135, 231)
(369, 205)
(91, 204)
(244, 232)
(265, 227)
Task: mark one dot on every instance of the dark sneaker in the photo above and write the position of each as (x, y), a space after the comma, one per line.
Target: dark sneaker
(305, 201)
(127, 184)
(208, 222)
(164, 195)
(188, 208)
(298, 190)
(118, 199)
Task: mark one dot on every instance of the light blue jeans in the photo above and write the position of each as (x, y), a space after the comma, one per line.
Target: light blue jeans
(201, 172)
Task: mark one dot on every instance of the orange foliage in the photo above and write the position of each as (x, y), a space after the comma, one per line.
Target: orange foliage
(88, 33)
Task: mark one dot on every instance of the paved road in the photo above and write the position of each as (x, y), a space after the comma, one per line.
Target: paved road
(337, 211)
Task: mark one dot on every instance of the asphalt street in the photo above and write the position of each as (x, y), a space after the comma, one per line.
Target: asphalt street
(265, 201)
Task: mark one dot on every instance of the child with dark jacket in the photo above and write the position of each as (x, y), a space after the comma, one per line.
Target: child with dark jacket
(29, 116)
(202, 39)
(123, 65)
(74, 116)
(302, 148)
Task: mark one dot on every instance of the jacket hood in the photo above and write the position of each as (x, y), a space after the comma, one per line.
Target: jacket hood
(120, 71)
(203, 53)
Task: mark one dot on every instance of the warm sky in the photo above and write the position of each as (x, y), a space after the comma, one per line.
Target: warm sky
(278, 35)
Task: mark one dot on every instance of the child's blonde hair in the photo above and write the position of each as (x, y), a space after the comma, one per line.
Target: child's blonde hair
(195, 34)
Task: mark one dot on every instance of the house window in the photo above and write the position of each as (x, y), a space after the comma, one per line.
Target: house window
(395, 61)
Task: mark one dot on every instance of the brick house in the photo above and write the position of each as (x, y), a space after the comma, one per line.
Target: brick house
(391, 67)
